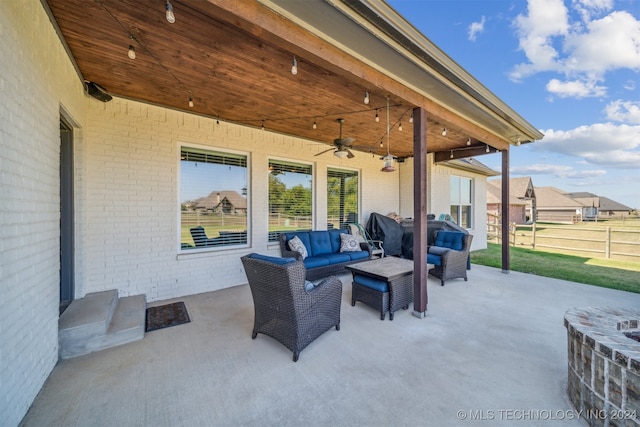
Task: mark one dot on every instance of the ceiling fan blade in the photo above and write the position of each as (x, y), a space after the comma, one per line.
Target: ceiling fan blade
(350, 155)
(322, 152)
(346, 142)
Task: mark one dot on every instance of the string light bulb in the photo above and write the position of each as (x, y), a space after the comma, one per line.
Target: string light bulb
(444, 131)
(468, 141)
(487, 150)
(366, 97)
(132, 52)
(451, 156)
(262, 125)
(190, 102)
(171, 18)
(411, 118)
(294, 66)
(377, 117)
(315, 125)
(518, 142)
(400, 126)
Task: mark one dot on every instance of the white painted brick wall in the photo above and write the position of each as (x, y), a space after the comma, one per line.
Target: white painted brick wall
(36, 78)
(130, 223)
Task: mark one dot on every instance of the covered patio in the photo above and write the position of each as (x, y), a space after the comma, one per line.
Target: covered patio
(490, 351)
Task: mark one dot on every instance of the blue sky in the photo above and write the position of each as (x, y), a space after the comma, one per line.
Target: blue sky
(569, 67)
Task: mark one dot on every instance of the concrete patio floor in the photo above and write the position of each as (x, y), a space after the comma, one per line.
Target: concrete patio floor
(491, 351)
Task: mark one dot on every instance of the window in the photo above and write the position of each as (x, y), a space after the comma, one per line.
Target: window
(342, 197)
(213, 199)
(461, 197)
(290, 197)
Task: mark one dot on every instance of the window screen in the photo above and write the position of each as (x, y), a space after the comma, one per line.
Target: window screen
(342, 197)
(213, 195)
(290, 197)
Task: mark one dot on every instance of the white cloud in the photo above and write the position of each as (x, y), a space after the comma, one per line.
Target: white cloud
(582, 49)
(558, 171)
(588, 7)
(623, 111)
(475, 28)
(601, 144)
(575, 89)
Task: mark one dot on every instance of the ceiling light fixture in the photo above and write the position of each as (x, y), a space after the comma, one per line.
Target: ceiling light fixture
(388, 159)
(132, 52)
(294, 66)
(341, 153)
(171, 18)
(444, 131)
(366, 97)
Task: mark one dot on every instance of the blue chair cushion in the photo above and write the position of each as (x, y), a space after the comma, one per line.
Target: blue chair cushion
(370, 282)
(438, 250)
(434, 259)
(320, 243)
(450, 239)
(273, 259)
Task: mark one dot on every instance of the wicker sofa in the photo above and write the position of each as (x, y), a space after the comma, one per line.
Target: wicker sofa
(324, 256)
(287, 308)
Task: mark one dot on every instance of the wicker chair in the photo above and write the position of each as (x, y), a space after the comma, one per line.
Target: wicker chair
(284, 309)
(450, 261)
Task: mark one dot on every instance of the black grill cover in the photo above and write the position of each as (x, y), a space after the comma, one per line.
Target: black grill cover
(381, 227)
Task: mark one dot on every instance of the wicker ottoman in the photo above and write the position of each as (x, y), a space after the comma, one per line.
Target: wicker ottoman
(384, 284)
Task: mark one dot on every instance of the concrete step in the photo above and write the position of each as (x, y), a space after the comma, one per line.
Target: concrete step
(99, 321)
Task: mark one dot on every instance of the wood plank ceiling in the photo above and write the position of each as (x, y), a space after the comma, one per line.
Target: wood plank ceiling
(234, 71)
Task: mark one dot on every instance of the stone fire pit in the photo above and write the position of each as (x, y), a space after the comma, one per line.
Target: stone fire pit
(604, 364)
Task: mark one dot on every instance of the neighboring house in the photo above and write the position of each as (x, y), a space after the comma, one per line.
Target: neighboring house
(227, 202)
(595, 207)
(522, 199)
(555, 206)
(92, 181)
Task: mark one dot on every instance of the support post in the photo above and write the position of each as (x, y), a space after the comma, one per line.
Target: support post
(505, 212)
(419, 212)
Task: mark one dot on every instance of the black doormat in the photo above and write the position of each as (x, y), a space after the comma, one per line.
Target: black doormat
(165, 316)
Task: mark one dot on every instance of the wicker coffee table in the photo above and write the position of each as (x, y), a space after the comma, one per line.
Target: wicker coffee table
(370, 278)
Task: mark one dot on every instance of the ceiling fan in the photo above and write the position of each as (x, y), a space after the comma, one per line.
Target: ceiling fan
(341, 145)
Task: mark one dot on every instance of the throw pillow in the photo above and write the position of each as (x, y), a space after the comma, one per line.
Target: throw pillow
(349, 243)
(296, 245)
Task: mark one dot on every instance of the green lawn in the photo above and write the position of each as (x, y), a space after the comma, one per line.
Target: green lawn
(621, 275)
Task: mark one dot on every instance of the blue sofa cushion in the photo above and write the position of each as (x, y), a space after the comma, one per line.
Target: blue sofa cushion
(450, 239)
(434, 259)
(273, 259)
(370, 282)
(320, 243)
(316, 261)
(357, 255)
(334, 236)
(304, 236)
(336, 258)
